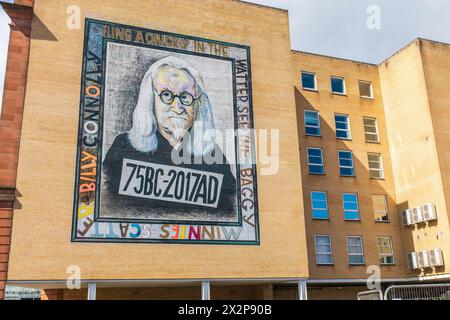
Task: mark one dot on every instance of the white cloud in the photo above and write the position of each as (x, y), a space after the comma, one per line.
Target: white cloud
(338, 27)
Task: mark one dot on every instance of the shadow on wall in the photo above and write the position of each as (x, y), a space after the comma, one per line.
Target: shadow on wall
(17, 203)
(40, 30)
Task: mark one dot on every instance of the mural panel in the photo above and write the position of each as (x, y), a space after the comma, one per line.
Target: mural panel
(165, 149)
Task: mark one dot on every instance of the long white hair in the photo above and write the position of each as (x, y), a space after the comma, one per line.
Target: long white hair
(142, 135)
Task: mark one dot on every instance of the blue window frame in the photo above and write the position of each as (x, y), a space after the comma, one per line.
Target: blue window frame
(319, 205)
(337, 85)
(350, 204)
(312, 123)
(342, 124)
(315, 161)
(346, 165)
(309, 81)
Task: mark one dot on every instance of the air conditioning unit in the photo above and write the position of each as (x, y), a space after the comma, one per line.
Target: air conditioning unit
(413, 262)
(407, 217)
(417, 215)
(435, 257)
(429, 212)
(423, 259)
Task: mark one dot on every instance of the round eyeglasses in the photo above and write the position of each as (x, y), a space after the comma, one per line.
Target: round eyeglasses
(185, 98)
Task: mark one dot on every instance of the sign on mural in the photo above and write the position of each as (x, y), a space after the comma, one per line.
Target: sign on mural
(165, 150)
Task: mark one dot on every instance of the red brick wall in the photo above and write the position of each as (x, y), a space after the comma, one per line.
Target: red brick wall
(28, 3)
(5, 238)
(11, 122)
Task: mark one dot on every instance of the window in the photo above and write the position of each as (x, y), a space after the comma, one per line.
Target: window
(350, 204)
(337, 85)
(380, 208)
(346, 167)
(309, 81)
(371, 130)
(324, 252)
(355, 250)
(375, 166)
(342, 126)
(385, 251)
(319, 205)
(365, 89)
(315, 161)
(312, 123)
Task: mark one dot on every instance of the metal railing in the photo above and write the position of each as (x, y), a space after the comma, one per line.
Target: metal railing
(18, 293)
(418, 292)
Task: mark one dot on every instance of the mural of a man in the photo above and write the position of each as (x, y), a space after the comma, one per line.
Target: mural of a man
(172, 104)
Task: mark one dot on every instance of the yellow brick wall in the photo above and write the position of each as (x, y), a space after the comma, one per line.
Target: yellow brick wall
(41, 246)
(436, 67)
(410, 105)
(416, 142)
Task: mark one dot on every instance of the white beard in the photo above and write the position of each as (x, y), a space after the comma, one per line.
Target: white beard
(178, 129)
(174, 130)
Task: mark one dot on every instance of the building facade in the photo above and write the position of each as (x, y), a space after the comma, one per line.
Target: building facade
(360, 188)
(369, 144)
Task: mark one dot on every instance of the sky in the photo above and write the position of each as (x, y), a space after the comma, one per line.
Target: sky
(4, 38)
(339, 27)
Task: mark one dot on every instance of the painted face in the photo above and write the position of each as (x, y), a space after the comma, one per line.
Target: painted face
(175, 99)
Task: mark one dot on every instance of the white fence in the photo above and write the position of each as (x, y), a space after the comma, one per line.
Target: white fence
(418, 292)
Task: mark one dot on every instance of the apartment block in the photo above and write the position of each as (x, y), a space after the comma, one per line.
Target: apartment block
(353, 194)
(373, 169)
(93, 207)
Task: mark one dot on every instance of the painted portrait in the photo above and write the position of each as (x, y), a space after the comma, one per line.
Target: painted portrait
(165, 152)
(173, 116)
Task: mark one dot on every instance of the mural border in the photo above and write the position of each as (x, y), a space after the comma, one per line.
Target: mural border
(75, 237)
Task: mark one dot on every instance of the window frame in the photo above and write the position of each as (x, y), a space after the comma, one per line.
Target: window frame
(346, 167)
(381, 169)
(370, 133)
(314, 164)
(371, 89)
(356, 254)
(315, 80)
(357, 206)
(318, 123)
(386, 203)
(384, 255)
(349, 131)
(344, 87)
(330, 242)
(326, 203)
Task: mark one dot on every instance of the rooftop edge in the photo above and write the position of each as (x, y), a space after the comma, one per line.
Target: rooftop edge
(263, 6)
(333, 57)
(417, 39)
